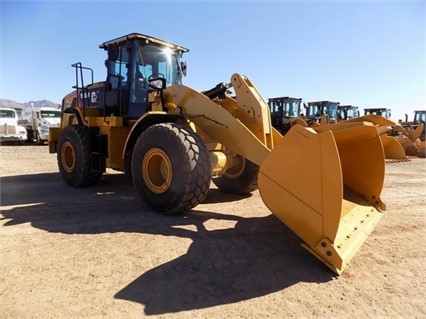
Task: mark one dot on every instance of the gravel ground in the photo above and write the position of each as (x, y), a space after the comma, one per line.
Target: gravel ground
(98, 252)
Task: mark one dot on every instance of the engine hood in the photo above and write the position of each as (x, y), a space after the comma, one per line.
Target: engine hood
(8, 121)
(54, 121)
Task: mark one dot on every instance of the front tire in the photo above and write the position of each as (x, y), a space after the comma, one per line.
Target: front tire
(74, 157)
(171, 168)
(240, 179)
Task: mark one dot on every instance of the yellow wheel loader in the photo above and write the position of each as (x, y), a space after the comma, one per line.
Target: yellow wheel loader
(172, 140)
(347, 112)
(398, 140)
(415, 130)
(392, 147)
(419, 121)
(286, 112)
(323, 111)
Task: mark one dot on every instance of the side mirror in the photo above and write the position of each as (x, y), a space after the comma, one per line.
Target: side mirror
(183, 67)
(157, 84)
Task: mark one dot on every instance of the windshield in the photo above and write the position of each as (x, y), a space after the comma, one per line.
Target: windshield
(385, 114)
(294, 108)
(288, 107)
(420, 117)
(50, 114)
(7, 114)
(381, 112)
(312, 111)
(331, 110)
(154, 61)
(321, 108)
(352, 113)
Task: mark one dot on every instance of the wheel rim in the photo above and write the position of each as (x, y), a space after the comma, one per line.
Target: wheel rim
(68, 157)
(156, 171)
(237, 168)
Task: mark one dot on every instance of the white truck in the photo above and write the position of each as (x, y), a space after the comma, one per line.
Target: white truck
(39, 122)
(10, 131)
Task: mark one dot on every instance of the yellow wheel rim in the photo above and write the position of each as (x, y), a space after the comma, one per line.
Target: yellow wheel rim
(156, 171)
(238, 165)
(68, 157)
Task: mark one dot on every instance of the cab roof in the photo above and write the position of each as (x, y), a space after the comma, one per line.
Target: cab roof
(284, 98)
(322, 102)
(376, 108)
(145, 37)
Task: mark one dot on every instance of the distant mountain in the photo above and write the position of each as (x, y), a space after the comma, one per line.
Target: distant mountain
(10, 103)
(26, 106)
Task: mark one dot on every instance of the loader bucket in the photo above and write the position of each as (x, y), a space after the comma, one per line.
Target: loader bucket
(393, 149)
(326, 187)
(373, 118)
(409, 147)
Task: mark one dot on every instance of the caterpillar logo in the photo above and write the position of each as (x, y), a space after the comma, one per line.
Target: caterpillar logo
(90, 96)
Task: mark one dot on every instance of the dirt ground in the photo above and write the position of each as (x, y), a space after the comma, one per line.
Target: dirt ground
(99, 253)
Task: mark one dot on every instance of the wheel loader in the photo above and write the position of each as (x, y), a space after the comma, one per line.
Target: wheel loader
(173, 141)
(347, 112)
(398, 140)
(417, 125)
(380, 111)
(286, 112)
(316, 110)
(415, 131)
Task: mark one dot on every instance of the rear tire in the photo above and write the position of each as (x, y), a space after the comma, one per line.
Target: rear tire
(74, 157)
(171, 168)
(240, 179)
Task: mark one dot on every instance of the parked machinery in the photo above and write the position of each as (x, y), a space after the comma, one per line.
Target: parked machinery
(398, 141)
(414, 130)
(324, 183)
(286, 112)
(38, 123)
(380, 111)
(10, 129)
(319, 109)
(417, 125)
(347, 112)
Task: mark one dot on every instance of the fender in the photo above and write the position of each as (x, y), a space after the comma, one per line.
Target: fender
(145, 121)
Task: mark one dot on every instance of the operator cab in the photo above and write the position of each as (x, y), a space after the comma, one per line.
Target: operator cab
(283, 109)
(347, 112)
(138, 64)
(285, 106)
(314, 110)
(419, 117)
(383, 112)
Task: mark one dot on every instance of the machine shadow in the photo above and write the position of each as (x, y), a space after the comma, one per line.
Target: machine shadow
(215, 195)
(256, 256)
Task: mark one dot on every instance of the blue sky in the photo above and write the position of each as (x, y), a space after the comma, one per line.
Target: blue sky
(364, 53)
